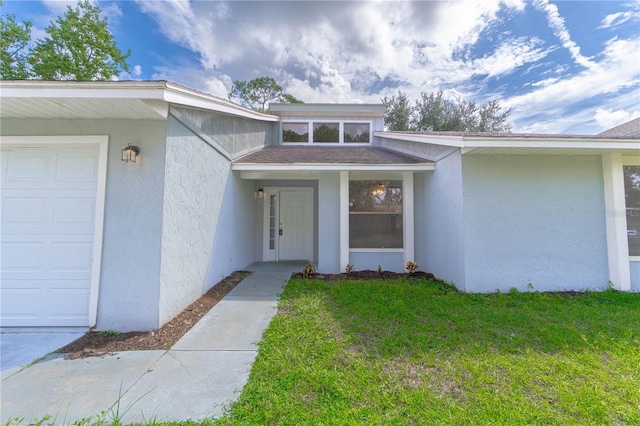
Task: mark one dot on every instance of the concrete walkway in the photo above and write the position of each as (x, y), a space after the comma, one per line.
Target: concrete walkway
(197, 378)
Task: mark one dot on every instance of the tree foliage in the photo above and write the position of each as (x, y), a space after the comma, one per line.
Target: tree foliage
(259, 92)
(433, 113)
(78, 46)
(399, 112)
(14, 39)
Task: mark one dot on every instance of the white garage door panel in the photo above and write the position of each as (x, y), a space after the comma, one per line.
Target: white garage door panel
(48, 213)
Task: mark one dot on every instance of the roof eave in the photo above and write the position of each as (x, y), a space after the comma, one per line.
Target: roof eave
(325, 167)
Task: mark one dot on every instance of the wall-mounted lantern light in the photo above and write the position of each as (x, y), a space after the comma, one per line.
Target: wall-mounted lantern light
(130, 153)
(259, 195)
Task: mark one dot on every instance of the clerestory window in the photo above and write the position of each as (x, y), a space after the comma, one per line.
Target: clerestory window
(326, 132)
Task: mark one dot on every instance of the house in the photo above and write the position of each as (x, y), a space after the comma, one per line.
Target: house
(89, 240)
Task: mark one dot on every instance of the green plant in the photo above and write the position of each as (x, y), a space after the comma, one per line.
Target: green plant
(349, 268)
(108, 333)
(411, 267)
(379, 269)
(309, 270)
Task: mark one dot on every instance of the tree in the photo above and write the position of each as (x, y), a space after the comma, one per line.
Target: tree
(78, 46)
(434, 113)
(399, 112)
(259, 92)
(14, 38)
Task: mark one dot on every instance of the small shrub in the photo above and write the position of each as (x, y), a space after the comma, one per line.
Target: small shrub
(309, 270)
(411, 267)
(349, 268)
(379, 269)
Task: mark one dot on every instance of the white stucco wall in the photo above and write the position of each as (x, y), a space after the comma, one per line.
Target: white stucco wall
(439, 223)
(128, 295)
(534, 219)
(233, 247)
(196, 178)
(389, 261)
(635, 276)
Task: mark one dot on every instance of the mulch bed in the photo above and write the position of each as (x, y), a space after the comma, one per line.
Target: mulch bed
(101, 343)
(367, 275)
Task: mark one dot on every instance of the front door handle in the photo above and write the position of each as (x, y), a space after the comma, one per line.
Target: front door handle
(280, 232)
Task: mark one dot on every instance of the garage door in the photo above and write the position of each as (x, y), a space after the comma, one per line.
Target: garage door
(48, 210)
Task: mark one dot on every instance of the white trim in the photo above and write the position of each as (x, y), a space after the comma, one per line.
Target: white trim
(329, 167)
(98, 228)
(288, 175)
(376, 250)
(617, 242)
(408, 217)
(634, 258)
(269, 255)
(344, 220)
(518, 142)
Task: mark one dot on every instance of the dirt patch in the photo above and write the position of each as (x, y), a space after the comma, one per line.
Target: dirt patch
(100, 343)
(368, 275)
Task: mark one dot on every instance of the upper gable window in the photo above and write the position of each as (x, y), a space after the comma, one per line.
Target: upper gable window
(357, 132)
(326, 132)
(295, 132)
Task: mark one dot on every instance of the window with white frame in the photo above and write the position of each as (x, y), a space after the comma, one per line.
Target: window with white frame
(295, 132)
(326, 132)
(632, 201)
(375, 214)
(357, 133)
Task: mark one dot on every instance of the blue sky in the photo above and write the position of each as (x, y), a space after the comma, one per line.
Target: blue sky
(562, 66)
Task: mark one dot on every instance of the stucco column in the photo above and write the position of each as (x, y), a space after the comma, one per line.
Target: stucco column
(407, 217)
(344, 220)
(617, 246)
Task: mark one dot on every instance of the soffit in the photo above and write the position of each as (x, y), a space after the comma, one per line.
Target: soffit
(82, 108)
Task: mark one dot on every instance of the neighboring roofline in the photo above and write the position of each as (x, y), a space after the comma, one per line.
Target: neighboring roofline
(629, 128)
(144, 90)
(327, 110)
(514, 140)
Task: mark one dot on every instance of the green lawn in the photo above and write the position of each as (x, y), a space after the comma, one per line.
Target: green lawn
(417, 352)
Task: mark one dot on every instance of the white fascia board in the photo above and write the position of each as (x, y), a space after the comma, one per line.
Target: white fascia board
(74, 89)
(556, 143)
(182, 96)
(453, 141)
(328, 167)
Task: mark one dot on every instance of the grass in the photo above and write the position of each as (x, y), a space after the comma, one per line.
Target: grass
(418, 352)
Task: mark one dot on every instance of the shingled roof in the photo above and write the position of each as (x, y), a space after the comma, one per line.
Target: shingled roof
(328, 155)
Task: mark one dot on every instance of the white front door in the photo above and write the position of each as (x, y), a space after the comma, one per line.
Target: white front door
(48, 211)
(288, 224)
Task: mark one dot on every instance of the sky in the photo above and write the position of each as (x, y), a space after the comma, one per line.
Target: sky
(563, 67)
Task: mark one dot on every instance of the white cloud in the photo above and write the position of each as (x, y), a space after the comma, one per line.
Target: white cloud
(619, 18)
(619, 69)
(608, 118)
(338, 51)
(362, 51)
(557, 24)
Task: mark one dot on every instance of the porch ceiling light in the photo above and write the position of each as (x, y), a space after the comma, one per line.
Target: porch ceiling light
(259, 195)
(379, 189)
(130, 153)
